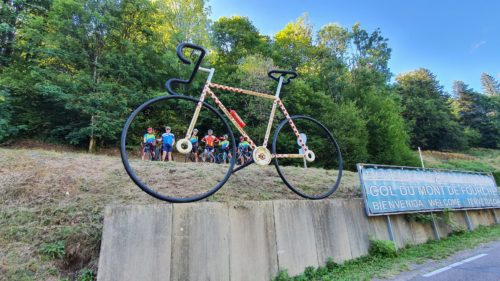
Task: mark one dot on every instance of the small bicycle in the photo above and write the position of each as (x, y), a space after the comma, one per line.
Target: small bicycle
(305, 153)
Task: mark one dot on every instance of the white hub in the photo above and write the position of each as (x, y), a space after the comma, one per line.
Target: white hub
(184, 146)
(310, 156)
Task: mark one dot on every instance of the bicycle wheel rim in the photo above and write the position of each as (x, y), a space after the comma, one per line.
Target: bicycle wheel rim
(146, 188)
(335, 147)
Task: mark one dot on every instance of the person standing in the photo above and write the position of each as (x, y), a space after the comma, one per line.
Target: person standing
(168, 140)
(209, 141)
(224, 144)
(149, 140)
(195, 143)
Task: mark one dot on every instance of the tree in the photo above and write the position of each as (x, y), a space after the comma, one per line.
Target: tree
(87, 64)
(334, 38)
(387, 136)
(480, 113)
(371, 50)
(491, 87)
(293, 44)
(427, 112)
(236, 37)
(183, 21)
(367, 86)
(13, 15)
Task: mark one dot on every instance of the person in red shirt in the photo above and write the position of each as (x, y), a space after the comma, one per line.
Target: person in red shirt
(209, 141)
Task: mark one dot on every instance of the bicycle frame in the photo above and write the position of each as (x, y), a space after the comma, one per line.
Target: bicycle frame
(276, 102)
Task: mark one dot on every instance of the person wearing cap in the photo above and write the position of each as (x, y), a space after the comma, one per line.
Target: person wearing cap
(224, 144)
(194, 141)
(210, 141)
(168, 140)
(149, 140)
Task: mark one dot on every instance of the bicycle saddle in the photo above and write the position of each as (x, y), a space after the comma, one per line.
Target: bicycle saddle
(282, 73)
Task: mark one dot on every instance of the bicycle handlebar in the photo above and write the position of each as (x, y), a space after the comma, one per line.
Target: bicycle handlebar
(180, 54)
(283, 73)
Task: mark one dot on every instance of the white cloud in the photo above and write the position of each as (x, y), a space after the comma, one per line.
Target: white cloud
(477, 46)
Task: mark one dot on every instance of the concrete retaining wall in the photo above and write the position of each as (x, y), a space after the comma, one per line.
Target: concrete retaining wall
(249, 240)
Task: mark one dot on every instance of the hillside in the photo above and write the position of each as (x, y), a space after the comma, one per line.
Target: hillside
(52, 202)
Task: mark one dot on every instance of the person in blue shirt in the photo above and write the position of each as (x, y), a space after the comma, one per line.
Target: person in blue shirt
(149, 141)
(168, 140)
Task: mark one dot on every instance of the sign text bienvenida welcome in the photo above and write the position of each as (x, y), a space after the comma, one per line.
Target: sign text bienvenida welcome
(394, 189)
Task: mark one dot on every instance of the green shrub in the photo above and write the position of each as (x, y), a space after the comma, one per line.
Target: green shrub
(330, 264)
(309, 272)
(382, 248)
(282, 276)
(420, 217)
(496, 175)
(54, 250)
(85, 275)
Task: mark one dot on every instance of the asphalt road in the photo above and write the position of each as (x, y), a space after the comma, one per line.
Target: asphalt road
(481, 263)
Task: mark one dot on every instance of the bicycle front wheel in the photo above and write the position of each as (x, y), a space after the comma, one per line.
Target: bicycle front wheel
(314, 173)
(169, 117)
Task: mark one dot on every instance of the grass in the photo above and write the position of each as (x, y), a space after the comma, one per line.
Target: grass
(476, 159)
(378, 265)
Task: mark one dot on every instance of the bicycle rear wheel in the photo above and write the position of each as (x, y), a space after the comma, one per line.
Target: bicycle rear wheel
(316, 173)
(173, 181)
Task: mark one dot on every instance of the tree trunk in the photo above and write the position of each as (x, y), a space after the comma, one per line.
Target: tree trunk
(92, 146)
(92, 142)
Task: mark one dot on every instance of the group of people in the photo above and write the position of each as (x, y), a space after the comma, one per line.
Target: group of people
(152, 141)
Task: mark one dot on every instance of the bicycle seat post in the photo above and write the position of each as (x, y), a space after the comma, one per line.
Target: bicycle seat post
(210, 73)
(278, 90)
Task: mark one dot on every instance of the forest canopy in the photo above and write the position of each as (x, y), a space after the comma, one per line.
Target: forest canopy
(71, 71)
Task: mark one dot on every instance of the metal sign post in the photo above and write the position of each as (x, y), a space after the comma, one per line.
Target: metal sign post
(304, 139)
(434, 226)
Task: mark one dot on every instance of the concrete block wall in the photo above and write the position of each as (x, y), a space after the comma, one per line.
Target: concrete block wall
(248, 240)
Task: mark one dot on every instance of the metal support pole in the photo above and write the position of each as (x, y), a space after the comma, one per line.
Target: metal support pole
(467, 220)
(434, 227)
(421, 158)
(389, 228)
(495, 216)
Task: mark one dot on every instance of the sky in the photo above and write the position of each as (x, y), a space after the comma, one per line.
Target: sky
(455, 40)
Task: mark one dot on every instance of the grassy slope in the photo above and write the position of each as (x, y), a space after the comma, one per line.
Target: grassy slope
(56, 198)
(53, 197)
(477, 159)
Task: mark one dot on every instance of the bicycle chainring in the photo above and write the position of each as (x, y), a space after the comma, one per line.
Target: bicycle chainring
(261, 156)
